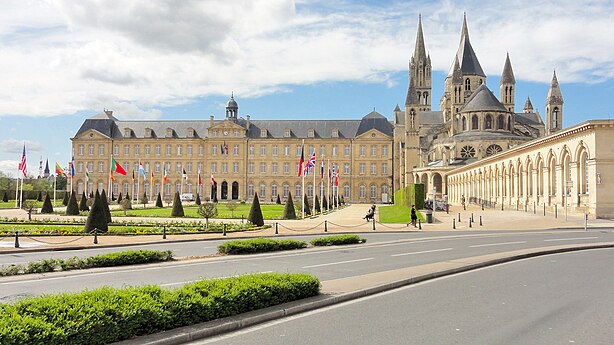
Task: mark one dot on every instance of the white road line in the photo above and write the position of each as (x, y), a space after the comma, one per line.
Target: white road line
(496, 244)
(337, 263)
(423, 252)
(571, 239)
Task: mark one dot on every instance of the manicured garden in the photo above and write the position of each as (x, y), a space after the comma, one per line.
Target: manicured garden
(269, 211)
(397, 213)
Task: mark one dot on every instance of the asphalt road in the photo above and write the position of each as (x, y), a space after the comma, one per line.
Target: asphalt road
(555, 299)
(325, 263)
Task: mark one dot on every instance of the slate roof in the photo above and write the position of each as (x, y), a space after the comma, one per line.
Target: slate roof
(482, 99)
(469, 64)
(507, 77)
(431, 117)
(531, 119)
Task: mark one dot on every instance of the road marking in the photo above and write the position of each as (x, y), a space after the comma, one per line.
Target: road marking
(423, 252)
(571, 239)
(496, 244)
(337, 263)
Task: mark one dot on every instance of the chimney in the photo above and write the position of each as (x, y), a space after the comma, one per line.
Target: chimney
(247, 124)
(108, 112)
(211, 121)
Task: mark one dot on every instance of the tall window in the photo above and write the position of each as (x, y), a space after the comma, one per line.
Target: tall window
(488, 122)
(474, 122)
(464, 123)
(362, 191)
(286, 189)
(500, 122)
(467, 85)
(101, 150)
(373, 150)
(157, 150)
(384, 150)
(235, 167)
(363, 150)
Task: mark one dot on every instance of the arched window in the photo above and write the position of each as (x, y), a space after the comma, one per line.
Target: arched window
(555, 115)
(426, 98)
(467, 85)
(488, 122)
(464, 123)
(500, 122)
(474, 122)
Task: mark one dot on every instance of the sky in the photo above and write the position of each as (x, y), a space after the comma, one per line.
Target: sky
(62, 61)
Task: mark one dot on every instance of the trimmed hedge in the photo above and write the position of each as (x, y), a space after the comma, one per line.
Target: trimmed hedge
(130, 257)
(338, 240)
(107, 315)
(259, 245)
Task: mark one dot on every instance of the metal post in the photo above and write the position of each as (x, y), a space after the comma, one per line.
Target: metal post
(241, 219)
(459, 217)
(453, 223)
(276, 230)
(544, 209)
(95, 236)
(374, 223)
(164, 232)
(480, 220)
(556, 211)
(482, 206)
(473, 220)
(224, 229)
(419, 224)
(516, 204)
(585, 222)
(534, 207)
(469, 222)
(501, 205)
(16, 239)
(325, 226)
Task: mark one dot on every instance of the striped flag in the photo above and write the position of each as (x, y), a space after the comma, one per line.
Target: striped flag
(59, 170)
(212, 180)
(72, 166)
(322, 169)
(301, 161)
(165, 178)
(22, 164)
(87, 175)
(142, 171)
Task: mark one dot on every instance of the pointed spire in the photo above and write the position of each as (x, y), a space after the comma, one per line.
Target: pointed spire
(47, 167)
(412, 94)
(507, 77)
(464, 30)
(397, 108)
(420, 50)
(467, 59)
(554, 93)
(457, 77)
(528, 106)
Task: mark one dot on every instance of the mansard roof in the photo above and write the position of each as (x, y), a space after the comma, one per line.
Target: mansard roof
(483, 99)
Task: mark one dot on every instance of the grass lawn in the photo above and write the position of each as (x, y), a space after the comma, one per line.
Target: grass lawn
(39, 204)
(269, 211)
(397, 214)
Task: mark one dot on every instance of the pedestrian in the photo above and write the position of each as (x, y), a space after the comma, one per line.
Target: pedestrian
(414, 217)
(463, 201)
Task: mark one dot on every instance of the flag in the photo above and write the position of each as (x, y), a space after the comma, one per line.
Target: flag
(117, 168)
(87, 175)
(200, 179)
(322, 169)
(311, 162)
(337, 178)
(301, 161)
(72, 166)
(165, 178)
(22, 164)
(111, 176)
(152, 178)
(332, 175)
(59, 170)
(225, 148)
(142, 171)
(185, 174)
(212, 180)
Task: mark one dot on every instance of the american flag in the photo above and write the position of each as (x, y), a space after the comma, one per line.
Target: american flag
(311, 162)
(22, 165)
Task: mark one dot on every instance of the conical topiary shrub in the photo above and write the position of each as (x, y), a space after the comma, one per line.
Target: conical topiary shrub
(197, 202)
(289, 212)
(65, 199)
(307, 207)
(105, 205)
(317, 205)
(324, 203)
(278, 201)
(255, 213)
(72, 209)
(96, 219)
(47, 207)
(5, 197)
(159, 201)
(119, 198)
(214, 198)
(177, 207)
(83, 203)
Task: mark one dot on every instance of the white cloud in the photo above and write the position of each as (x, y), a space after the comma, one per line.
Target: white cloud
(16, 146)
(62, 56)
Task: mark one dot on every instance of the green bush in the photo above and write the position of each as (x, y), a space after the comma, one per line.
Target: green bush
(105, 206)
(83, 203)
(317, 205)
(307, 206)
(177, 207)
(97, 219)
(159, 201)
(47, 207)
(119, 198)
(338, 240)
(259, 245)
(72, 209)
(255, 212)
(289, 212)
(197, 201)
(65, 199)
(107, 314)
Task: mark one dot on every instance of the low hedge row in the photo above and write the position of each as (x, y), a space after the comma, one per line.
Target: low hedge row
(107, 315)
(130, 257)
(259, 245)
(338, 240)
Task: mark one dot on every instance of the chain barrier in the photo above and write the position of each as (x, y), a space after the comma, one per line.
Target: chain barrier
(302, 230)
(391, 227)
(45, 242)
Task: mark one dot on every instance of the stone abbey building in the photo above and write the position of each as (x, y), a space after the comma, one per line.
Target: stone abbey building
(373, 155)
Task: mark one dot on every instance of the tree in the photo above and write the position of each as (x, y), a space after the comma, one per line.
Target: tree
(207, 210)
(232, 206)
(325, 203)
(255, 213)
(317, 205)
(177, 207)
(307, 207)
(159, 201)
(29, 206)
(60, 182)
(72, 209)
(126, 205)
(47, 207)
(83, 203)
(278, 201)
(119, 198)
(65, 199)
(144, 199)
(96, 219)
(197, 202)
(39, 197)
(5, 197)
(105, 205)
(289, 212)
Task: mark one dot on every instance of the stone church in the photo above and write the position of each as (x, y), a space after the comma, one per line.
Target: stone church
(472, 122)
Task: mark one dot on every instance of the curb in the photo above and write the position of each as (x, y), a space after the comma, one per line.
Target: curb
(233, 323)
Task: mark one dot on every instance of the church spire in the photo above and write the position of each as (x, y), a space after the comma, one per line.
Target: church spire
(528, 106)
(467, 59)
(464, 30)
(420, 79)
(420, 50)
(554, 93)
(554, 107)
(507, 77)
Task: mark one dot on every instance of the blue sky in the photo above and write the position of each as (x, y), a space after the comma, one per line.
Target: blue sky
(63, 61)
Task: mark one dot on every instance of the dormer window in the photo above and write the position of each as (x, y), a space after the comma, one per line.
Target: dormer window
(335, 133)
(127, 132)
(263, 133)
(148, 133)
(190, 132)
(287, 133)
(310, 133)
(169, 132)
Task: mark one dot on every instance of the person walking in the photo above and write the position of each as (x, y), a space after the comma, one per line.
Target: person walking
(414, 217)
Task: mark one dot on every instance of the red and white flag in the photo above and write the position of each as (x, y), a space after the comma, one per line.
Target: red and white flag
(200, 179)
(311, 162)
(23, 168)
(212, 180)
(301, 161)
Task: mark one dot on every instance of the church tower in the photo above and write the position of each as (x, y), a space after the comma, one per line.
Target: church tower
(420, 71)
(507, 86)
(554, 107)
(232, 109)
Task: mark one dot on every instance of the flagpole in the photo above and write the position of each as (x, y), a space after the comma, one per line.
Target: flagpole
(21, 194)
(335, 188)
(55, 183)
(321, 190)
(303, 178)
(109, 192)
(314, 188)
(328, 202)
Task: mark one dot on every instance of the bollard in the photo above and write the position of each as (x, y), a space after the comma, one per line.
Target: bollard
(473, 220)
(164, 232)
(325, 226)
(241, 219)
(586, 222)
(469, 222)
(544, 209)
(502, 206)
(556, 211)
(459, 217)
(95, 236)
(224, 229)
(16, 239)
(480, 220)
(373, 223)
(453, 223)
(276, 231)
(482, 206)
(534, 207)
(419, 225)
